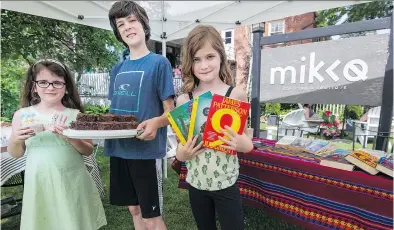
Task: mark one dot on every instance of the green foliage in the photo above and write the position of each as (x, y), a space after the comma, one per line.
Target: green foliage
(288, 107)
(79, 46)
(12, 73)
(96, 109)
(272, 108)
(26, 38)
(285, 111)
(357, 12)
(341, 116)
(354, 112)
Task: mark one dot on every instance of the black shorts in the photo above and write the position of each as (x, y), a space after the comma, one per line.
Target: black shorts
(137, 182)
(226, 203)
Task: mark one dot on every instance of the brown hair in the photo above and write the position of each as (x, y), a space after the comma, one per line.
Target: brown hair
(70, 100)
(122, 9)
(196, 39)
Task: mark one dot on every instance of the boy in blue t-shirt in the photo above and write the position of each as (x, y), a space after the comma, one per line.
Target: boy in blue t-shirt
(141, 85)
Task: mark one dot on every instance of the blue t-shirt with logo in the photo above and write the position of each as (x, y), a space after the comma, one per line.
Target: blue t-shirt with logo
(139, 87)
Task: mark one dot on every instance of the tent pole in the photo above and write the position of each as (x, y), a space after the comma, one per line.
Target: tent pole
(258, 32)
(163, 47)
(164, 34)
(386, 112)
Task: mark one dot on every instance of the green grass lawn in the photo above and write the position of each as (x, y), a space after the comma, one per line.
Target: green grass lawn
(177, 212)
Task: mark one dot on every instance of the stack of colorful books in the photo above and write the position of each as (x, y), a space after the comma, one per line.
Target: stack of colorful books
(206, 115)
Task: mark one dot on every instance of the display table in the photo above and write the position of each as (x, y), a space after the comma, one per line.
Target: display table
(303, 192)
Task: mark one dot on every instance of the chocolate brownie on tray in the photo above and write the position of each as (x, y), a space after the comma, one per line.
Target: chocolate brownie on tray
(87, 117)
(83, 125)
(106, 118)
(126, 118)
(104, 122)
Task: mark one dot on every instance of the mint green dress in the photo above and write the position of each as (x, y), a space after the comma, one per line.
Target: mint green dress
(58, 193)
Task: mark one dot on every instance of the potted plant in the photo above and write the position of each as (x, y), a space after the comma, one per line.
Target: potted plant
(331, 125)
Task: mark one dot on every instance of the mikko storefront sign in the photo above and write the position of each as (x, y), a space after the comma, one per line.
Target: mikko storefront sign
(346, 71)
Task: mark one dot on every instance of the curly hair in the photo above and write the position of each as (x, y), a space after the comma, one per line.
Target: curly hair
(196, 40)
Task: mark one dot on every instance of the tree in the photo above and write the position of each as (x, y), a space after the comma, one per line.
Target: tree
(12, 75)
(354, 13)
(79, 46)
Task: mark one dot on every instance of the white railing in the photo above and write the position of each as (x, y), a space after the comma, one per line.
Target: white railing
(94, 84)
(177, 85)
(93, 87)
(334, 108)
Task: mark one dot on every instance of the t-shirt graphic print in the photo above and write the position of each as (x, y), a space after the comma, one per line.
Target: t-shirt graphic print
(127, 89)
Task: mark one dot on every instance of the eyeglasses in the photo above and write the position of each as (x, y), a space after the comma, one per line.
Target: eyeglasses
(45, 84)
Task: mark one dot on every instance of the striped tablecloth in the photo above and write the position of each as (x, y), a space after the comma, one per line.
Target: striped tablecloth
(313, 196)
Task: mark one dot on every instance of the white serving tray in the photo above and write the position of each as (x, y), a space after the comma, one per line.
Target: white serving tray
(101, 134)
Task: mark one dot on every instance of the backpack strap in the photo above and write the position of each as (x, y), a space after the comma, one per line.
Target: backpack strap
(190, 95)
(229, 91)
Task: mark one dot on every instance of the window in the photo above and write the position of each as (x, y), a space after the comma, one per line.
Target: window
(276, 27)
(227, 37)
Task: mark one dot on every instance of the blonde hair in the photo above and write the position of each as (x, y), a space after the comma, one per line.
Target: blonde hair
(196, 40)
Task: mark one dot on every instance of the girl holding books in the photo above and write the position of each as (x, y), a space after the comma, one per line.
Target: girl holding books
(212, 175)
(58, 192)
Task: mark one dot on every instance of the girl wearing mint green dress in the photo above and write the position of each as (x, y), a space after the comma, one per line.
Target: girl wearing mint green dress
(58, 193)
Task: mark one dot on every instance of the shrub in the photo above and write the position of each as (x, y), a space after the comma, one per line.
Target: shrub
(272, 108)
(354, 112)
(96, 109)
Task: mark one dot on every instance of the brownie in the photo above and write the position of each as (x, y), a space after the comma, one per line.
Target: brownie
(93, 126)
(87, 117)
(104, 122)
(134, 124)
(116, 126)
(82, 125)
(105, 126)
(106, 118)
(129, 125)
(73, 125)
(126, 118)
(6, 124)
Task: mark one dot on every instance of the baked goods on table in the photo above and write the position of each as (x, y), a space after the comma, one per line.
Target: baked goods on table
(86, 121)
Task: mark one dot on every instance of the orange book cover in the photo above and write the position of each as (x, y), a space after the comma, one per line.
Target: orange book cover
(224, 111)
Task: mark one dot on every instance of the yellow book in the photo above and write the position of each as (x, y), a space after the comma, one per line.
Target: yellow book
(179, 119)
(193, 117)
(176, 129)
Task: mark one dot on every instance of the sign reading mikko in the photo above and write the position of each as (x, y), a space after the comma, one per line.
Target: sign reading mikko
(347, 71)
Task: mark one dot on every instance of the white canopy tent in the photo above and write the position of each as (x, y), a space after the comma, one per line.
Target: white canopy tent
(179, 16)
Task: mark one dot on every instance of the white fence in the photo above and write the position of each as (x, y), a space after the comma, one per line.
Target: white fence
(334, 108)
(177, 85)
(93, 88)
(94, 84)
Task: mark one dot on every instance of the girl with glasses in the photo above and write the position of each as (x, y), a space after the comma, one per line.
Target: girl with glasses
(58, 190)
